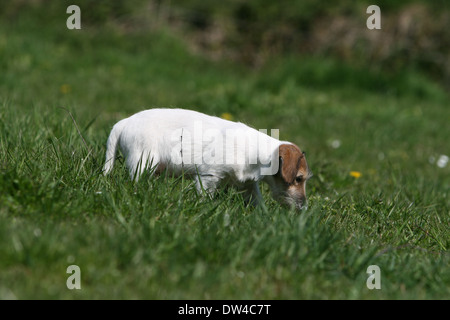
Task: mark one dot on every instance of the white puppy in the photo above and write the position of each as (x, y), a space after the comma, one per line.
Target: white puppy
(214, 151)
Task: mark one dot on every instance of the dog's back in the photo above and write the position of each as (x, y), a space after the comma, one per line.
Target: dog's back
(155, 136)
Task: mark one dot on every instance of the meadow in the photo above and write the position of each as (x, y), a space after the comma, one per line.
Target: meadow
(376, 142)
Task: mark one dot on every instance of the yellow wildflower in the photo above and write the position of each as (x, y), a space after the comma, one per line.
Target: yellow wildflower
(226, 116)
(64, 89)
(355, 174)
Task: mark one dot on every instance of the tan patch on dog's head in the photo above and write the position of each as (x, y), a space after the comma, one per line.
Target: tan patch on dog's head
(293, 172)
(293, 163)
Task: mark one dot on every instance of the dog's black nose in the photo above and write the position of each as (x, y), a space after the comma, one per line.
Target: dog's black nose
(303, 204)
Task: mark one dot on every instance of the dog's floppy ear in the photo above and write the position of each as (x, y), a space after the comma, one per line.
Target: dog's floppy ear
(290, 158)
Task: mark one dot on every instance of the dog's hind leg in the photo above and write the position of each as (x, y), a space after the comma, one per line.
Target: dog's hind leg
(137, 163)
(206, 184)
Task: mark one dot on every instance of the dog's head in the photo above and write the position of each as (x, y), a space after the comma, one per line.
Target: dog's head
(289, 183)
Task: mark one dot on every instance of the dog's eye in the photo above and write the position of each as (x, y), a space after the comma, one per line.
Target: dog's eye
(299, 179)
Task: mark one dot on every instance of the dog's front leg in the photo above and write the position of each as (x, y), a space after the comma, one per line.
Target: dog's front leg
(252, 194)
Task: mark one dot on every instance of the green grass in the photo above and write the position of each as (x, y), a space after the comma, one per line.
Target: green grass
(158, 239)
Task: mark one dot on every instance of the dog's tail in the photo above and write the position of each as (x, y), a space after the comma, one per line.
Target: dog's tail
(111, 147)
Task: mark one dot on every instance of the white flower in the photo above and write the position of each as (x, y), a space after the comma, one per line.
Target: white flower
(335, 144)
(442, 161)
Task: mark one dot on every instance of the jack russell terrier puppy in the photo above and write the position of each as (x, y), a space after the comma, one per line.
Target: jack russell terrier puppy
(215, 152)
